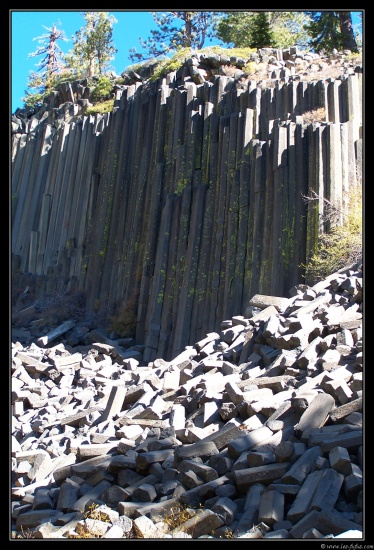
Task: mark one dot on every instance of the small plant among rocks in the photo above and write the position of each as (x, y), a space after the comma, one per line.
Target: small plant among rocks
(94, 512)
(177, 516)
(317, 115)
(124, 323)
(90, 527)
(102, 90)
(341, 245)
(53, 308)
(102, 108)
(28, 534)
(228, 534)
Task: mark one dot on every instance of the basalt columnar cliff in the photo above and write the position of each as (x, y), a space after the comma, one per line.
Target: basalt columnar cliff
(189, 197)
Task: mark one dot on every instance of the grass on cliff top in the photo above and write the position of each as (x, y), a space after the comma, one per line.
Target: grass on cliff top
(101, 107)
(165, 66)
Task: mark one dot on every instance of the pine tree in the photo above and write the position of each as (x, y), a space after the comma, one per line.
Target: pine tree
(53, 60)
(331, 29)
(51, 64)
(93, 47)
(177, 29)
(261, 31)
(287, 28)
(233, 28)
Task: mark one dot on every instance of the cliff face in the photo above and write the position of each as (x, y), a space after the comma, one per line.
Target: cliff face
(185, 201)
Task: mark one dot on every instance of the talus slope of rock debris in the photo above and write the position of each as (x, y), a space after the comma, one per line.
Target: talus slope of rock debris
(255, 432)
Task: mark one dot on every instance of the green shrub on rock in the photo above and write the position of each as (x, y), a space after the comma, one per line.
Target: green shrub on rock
(102, 90)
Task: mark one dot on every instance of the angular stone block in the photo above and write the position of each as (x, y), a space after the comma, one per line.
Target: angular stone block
(271, 507)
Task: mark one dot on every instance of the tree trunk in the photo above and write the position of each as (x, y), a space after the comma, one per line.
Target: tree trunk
(346, 28)
(91, 67)
(188, 28)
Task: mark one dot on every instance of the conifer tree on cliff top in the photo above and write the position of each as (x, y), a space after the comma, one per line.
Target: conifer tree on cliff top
(51, 64)
(177, 29)
(332, 29)
(91, 54)
(93, 48)
(318, 30)
(250, 29)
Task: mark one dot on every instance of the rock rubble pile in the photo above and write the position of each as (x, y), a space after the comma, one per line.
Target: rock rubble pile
(253, 432)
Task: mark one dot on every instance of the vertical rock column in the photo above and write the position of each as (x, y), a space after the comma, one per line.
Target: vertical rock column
(333, 187)
(156, 255)
(82, 185)
(23, 192)
(316, 171)
(114, 207)
(334, 101)
(280, 227)
(231, 224)
(64, 239)
(210, 167)
(98, 233)
(56, 187)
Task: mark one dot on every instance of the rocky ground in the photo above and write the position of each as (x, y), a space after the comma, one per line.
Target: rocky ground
(253, 432)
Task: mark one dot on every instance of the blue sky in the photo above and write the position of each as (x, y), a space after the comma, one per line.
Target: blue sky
(27, 25)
